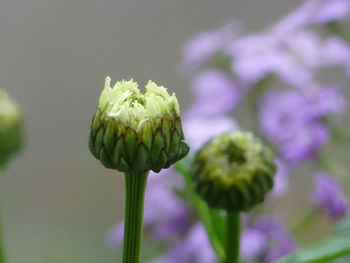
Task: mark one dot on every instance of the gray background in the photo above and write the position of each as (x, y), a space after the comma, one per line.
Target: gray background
(57, 200)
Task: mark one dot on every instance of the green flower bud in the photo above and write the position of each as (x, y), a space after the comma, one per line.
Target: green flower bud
(233, 171)
(137, 131)
(11, 127)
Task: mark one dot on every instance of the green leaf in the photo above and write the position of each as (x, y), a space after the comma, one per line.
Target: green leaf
(332, 247)
(343, 225)
(212, 219)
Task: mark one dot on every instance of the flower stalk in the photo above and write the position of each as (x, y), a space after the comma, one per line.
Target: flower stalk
(233, 237)
(135, 194)
(233, 172)
(135, 131)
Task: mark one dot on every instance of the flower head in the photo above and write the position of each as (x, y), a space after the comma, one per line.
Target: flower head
(293, 120)
(279, 240)
(135, 131)
(11, 127)
(214, 94)
(206, 44)
(233, 171)
(195, 247)
(328, 195)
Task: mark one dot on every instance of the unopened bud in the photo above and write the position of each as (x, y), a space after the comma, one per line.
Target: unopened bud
(137, 131)
(11, 127)
(233, 171)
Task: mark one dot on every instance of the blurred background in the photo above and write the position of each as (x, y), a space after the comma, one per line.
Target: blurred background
(57, 200)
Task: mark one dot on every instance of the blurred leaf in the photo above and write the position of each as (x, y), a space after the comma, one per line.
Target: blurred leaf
(332, 247)
(212, 219)
(343, 225)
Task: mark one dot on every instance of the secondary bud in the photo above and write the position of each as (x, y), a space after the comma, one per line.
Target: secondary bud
(11, 127)
(233, 171)
(137, 131)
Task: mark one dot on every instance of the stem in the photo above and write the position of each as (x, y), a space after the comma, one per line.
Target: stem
(233, 237)
(2, 247)
(135, 184)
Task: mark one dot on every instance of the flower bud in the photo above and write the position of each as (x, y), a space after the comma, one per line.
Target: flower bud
(11, 127)
(137, 131)
(233, 171)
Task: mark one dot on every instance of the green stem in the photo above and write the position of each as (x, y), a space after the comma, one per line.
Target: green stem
(135, 184)
(233, 237)
(2, 247)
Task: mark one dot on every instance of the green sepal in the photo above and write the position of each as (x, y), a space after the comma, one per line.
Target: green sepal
(147, 136)
(99, 141)
(104, 158)
(123, 165)
(166, 133)
(109, 137)
(139, 163)
(131, 143)
(157, 146)
(119, 152)
(95, 123)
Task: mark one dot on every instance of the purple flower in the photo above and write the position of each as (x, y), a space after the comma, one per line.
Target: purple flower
(303, 142)
(253, 243)
(292, 119)
(325, 11)
(206, 44)
(325, 101)
(328, 195)
(165, 214)
(280, 242)
(311, 51)
(280, 186)
(313, 12)
(255, 57)
(335, 52)
(305, 46)
(214, 94)
(199, 130)
(115, 235)
(194, 248)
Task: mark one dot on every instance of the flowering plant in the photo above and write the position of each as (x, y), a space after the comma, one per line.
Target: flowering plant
(276, 84)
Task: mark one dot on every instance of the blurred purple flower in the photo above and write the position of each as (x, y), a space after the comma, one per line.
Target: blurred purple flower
(214, 94)
(194, 248)
(256, 56)
(115, 235)
(166, 215)
(303, 142)
(328, 195)
(292, 119)
(253, 243)
(281, 179)
(313, 12)
(199, 130)
(280, 241)
(325, 101)
(311, 51)
(325, 11)
(305, 46)
(206, 44)
(335, 51)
